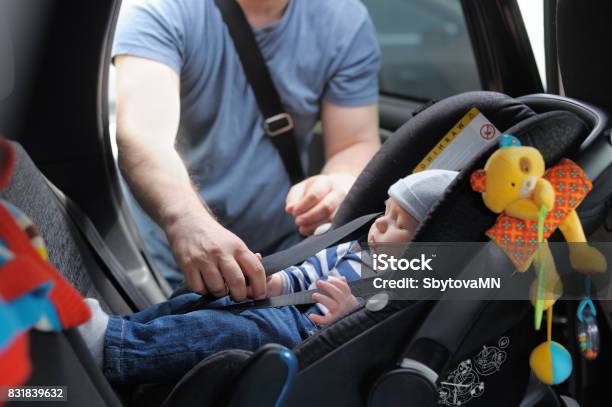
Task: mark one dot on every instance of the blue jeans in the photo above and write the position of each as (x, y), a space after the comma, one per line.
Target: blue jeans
(158, 346)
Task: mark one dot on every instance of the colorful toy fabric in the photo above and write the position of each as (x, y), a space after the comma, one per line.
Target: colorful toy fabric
(518, 237)
(15, 365)
(23, 300)
(68, 308)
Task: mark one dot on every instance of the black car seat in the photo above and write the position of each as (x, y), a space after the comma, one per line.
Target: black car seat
(400, 354)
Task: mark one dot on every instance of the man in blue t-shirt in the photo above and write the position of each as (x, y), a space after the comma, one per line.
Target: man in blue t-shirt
(192, 146)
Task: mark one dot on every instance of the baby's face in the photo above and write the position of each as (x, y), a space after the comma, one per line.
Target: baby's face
(395, 226)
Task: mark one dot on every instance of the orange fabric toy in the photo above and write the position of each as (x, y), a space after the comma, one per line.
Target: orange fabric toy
(518, 238)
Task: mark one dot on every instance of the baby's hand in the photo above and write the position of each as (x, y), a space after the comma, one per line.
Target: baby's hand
(274, 285)
(339, 301)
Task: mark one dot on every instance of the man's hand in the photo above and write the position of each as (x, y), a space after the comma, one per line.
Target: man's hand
(339, 301)
(350, 138)
(213, 259)
(315, 200)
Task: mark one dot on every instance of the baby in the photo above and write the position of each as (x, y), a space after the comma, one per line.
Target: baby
(159, 345)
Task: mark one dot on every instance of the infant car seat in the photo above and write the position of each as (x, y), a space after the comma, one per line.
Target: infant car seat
(435, 352)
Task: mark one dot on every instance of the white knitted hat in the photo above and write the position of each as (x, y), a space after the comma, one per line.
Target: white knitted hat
(418, 192)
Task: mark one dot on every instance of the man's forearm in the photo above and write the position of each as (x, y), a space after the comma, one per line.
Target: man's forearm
(350, 136)
(160, 182)
(352, 159)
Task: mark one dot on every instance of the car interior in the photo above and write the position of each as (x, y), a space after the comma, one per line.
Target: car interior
(60, 122)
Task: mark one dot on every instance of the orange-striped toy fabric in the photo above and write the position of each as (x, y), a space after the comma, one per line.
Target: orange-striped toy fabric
(519, 238)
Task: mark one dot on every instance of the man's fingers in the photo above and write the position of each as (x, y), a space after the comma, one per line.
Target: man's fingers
(195, 282)
(213, 279)
(321, 319)
(313, 193)
(252, 268)
(234, 279)
(328, 302)
(322, 212)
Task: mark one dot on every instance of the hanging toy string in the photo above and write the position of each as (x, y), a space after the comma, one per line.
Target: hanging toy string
(549, 317)
(541, 270)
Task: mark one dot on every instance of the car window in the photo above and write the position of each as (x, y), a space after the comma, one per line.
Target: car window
(532, 12)
(426, 49)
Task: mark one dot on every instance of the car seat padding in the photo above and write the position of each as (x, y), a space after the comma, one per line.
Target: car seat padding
(29, 191)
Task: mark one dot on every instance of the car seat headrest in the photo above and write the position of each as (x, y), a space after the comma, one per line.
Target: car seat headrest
(584, 59)
(460, 215)
(411, 142)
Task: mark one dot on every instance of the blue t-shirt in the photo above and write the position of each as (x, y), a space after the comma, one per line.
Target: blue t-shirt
(320, 50)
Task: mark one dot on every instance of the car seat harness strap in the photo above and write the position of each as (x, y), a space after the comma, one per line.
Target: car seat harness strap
(295, 255)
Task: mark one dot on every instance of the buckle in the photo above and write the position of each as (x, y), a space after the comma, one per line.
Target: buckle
(278, 124)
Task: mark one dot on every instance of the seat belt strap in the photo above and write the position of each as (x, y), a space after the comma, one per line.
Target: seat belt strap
(278, 124)
(314, 244)
(292, 256)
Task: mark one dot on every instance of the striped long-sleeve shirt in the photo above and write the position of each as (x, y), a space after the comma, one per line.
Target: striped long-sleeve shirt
(341, 260)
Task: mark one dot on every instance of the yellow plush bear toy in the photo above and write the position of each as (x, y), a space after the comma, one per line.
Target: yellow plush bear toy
(514, 183)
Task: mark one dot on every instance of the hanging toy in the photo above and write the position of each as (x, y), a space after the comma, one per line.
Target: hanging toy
(543, 252)
(550, 361)
(587, 330)
(532, 203)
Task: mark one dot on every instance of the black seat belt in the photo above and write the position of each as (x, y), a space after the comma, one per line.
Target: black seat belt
(278, 124)
(292, 256)
(314, 244)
